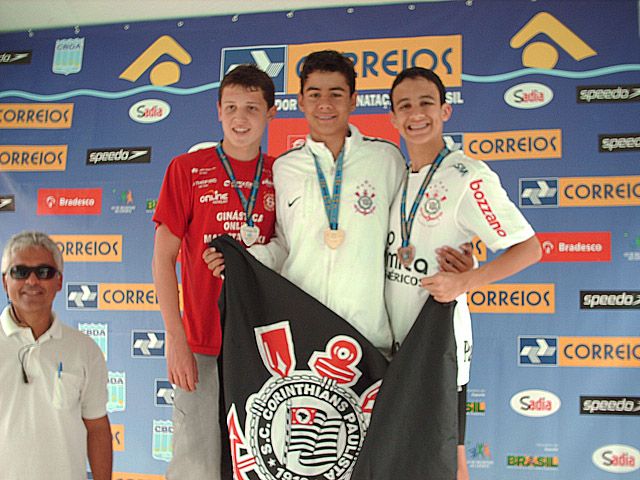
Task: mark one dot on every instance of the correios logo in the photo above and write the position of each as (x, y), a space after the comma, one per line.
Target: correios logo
(535, 403)
(149, 111)
(617, 458)
(528, 96)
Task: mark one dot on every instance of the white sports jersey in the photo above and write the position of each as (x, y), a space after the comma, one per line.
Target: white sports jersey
(349, 279)
(464, 199)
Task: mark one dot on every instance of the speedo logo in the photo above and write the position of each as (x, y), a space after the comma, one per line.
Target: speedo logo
(378, 61)
(485, 208)
(623, 142)
(513, 298)
(514, 145)
(609, 405)
(105, 156)
(610, 300)
(608, 93)
(36, 115)
(13, 58)
(89, 248)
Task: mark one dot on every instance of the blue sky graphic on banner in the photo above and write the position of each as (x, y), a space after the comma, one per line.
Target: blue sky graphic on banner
(547, 92)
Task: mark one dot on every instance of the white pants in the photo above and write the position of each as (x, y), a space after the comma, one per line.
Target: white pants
(196, 431)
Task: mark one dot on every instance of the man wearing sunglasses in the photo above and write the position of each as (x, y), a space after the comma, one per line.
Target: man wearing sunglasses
(54, 378)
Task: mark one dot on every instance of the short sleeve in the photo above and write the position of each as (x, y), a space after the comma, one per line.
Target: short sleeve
(174, 207)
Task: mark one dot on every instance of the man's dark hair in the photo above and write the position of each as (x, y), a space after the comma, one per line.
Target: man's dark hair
(328, 61)
(250, 77)
(419, 72)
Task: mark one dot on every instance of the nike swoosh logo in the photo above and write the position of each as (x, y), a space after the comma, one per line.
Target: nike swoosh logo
(290, 204)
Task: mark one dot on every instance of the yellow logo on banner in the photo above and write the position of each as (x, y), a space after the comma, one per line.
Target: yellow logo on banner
(37, 158)
(378, 61)
(135, 476)
(599, 352)
(130, 296)
(36, 115)
(164, 73)
(117, 437)
(515, 144)
(599, 191)
(513, 298)
(90, 248)
(542, 54)
(479, 249)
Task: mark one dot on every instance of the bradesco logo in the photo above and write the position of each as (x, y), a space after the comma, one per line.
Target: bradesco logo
(605, 352)
(149, 111)
(608, 93)
(111, 156)
(514, 144)
(69, 201)
(609, 300)
(378, 61)
(609, 405)
(31, 158)
(513, 298)
(36, 115)
(90, 248)
(575, 246)
(535, 403)
(619, 142)
(579, 192)
(528, 96)
(617, 458)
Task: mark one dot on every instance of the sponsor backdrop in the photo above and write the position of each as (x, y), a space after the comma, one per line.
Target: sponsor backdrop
(90, 118)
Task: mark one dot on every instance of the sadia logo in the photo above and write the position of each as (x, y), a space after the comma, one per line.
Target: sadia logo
(619, 142)
(164, 73)
(575, 246)
(544, 55)
(36, 115)
(149, 344)
(106, 156)
(270, 60)
(608, 93)
(617, 458)
(535, 403)
(69, 201)
(528, 96)
(15, 58)
(117, 437)
(513, 298)
(378, 61)
(580, 192)
(609, 300)
(514, 145)
(28, 158)
(117, 392)
(609, 405)
(89, 248)
(149, 111)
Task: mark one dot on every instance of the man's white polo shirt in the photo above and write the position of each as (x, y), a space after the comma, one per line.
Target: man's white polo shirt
(42, 434)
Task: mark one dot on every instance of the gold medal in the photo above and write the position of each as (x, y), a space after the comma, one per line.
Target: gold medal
(249, 234)
(333, 238)
(406, 255)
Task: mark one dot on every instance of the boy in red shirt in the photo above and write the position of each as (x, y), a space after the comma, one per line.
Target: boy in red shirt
(207, 193)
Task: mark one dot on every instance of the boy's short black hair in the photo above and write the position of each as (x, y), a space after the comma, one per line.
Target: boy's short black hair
(249, 76)
(329, 61)
(419, 72)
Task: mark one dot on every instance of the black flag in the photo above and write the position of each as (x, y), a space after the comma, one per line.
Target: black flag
(298, 385)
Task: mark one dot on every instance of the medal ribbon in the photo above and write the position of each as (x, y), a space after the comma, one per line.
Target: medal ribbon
(331, 203)
(247, 205)
(407, 223)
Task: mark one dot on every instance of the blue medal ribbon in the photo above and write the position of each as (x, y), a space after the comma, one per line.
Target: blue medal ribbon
(407, 223)
(331, 203)
(247, 205)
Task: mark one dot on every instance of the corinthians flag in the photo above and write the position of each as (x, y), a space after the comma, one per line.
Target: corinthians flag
(299, 386)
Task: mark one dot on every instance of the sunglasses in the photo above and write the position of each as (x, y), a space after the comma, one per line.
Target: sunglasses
(43, 272)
